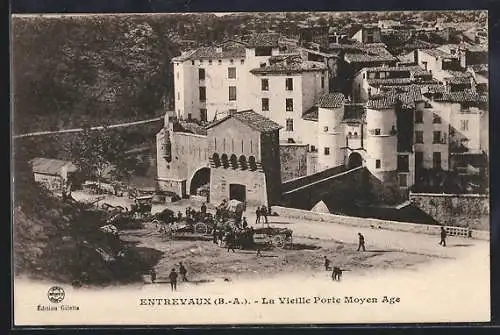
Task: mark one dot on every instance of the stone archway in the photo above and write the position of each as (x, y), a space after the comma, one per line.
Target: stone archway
(355, 160)
(200, 178)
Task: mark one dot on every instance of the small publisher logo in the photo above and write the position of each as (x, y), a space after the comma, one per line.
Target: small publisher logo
(56, 294)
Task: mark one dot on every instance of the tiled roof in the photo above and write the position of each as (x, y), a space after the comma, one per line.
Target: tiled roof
(458, 80)
(462, 96)
(311, 114)
(252, 119)
(407, 97)
(479, 68)
(51, 166)
(436, 53)
(366, 58)
(226, 49)
(294, 66)
(190, 127)
(263, 40)
(331, 100)
(389, 81)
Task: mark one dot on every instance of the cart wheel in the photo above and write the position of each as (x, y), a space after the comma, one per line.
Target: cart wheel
(279, 241)
(201, 228)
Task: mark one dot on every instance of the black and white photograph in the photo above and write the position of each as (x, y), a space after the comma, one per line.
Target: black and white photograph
(250, 168)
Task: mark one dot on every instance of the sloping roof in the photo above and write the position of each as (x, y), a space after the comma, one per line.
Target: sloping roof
(252, 119)
(311, 114)
(51, 166)
(331, 100)
(366, 58)
(436, 53)
(227, 49)
(263, 40)
(462, 96)
(407, 97)
(354, 113)
(479, 68)
(291, 66)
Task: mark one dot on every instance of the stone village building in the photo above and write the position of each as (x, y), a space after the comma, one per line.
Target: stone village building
(236, 157)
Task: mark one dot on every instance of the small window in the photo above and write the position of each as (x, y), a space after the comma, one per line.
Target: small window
(262, 65)
(419, 116)
(192, 62)
(231, 61)
(201, 74)
(289, 105)
(377, 131)
(220, 62)
(209, 62)
(231, 73)
(232, 93)
(313, 148)
(419, 136)
(264, 83)
(436, 137)
(436, 119)
(203, 114)
(203, 93)
(242, 61)
(378, 163)
(382, 75)
(265, 104)
(322, 82)
(289, 124)
(289, 84)
(371, 75)
(325, 129)
(327, 151)
(464, 125)
(364, 75)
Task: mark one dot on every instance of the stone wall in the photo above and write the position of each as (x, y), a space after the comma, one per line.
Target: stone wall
(460, 210)
(254, 181)
(368, 222)
(293, 159)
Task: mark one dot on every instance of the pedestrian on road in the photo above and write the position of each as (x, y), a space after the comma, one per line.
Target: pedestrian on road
(153, 275)
(263, 211)
(245, 223)
(257, 215)
(361, 244)
(182, 272)
(215, 234)
(327, 264)
(203, 209)
(336, 273)
(173, 280)
(230, 241)
(443, 237)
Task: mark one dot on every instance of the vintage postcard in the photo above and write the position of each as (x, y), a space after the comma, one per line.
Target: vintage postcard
(250, 168)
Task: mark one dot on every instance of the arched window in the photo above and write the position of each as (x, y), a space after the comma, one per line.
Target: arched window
(252, 163)
(216, 160)
(234, 161)
(224, 161)
(243, 162)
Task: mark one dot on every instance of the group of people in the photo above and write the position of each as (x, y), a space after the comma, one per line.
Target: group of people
(173, 276)
(262, 212)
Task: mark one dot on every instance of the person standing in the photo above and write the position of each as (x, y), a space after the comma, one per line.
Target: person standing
(263, 211)
(203, 209)
(173, 280)
(443, 237)
(182, 272)
(361, 244)
(244, 223)
(257, 215)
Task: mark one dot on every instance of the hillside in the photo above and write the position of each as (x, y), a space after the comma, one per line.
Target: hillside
(60, 241)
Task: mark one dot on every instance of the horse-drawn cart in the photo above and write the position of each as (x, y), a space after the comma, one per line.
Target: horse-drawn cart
(274, 236)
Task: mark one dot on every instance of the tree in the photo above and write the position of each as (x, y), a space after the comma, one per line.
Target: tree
(99, 152)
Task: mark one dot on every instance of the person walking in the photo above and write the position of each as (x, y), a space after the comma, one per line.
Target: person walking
(443, 237)
(257, 215)
(244, 223)
(152, 273)
(203, 209)
(327, 264)
(173, 280)
(361, 244)
(182, 272)
(230, 241)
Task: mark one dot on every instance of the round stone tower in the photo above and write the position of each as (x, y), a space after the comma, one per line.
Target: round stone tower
(331, 137)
